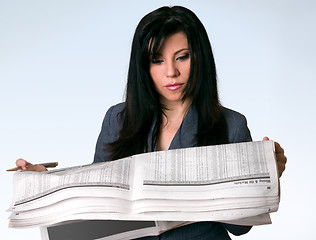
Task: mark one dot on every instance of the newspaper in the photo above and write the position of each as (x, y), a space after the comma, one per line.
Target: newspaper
(233, 183)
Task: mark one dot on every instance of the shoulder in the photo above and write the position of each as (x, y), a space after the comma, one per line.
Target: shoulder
(114, 111)
(237, 126)
(110, 130)
(112, 120)
(233, 117)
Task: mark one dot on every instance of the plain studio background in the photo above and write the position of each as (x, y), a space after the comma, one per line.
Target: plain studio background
(64, 63)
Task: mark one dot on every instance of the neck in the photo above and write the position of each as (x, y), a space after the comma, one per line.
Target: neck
(176, 110)
(172, 119)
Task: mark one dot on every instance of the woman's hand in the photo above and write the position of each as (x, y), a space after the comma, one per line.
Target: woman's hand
(26, 166)
(281, 159)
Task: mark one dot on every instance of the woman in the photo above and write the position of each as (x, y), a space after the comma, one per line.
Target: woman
(171, 102)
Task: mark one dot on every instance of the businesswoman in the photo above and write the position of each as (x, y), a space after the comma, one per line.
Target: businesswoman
(171, 102)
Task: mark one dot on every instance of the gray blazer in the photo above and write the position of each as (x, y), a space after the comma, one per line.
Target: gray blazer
(236, 122)
(185, 137)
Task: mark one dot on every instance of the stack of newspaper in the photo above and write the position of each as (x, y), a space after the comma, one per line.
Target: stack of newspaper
(233, 183)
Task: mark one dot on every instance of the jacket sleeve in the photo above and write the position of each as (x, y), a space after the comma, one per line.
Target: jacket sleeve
(237, 230)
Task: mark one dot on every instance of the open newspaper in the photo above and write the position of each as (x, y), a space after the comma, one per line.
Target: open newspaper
(233, 183)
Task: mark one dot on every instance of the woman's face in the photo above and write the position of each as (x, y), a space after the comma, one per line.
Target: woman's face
(170, 69)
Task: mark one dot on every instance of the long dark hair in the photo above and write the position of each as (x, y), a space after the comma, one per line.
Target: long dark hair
(142, 103)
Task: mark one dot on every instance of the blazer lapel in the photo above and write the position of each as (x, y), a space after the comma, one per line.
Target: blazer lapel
(185, 136)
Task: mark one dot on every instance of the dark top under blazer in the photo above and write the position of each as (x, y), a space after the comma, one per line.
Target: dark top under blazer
(185, 137)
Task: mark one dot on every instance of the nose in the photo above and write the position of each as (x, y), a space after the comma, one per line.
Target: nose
(172, 70)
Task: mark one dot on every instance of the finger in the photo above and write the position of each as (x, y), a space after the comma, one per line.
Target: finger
(279, 153)
(281, 168)
(22, 163)
(281, 158)
(278, 148)
(35, 168)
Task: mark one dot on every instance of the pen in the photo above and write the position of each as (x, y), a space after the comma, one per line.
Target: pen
(47, 165)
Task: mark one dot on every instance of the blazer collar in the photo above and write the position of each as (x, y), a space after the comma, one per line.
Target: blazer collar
(185, 136)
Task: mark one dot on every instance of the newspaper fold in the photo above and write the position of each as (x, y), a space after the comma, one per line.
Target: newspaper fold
(234, 183)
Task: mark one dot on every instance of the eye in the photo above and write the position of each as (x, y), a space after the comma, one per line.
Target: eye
(156, 61)
(183, 57)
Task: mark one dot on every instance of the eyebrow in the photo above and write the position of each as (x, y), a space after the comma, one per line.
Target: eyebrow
(180, 50)
(176, 52)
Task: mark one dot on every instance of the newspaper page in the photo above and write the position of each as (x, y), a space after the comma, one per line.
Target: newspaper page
(39, 189)
(211, 172)
(226, 183)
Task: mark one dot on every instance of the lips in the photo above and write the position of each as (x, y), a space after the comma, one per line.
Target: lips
(173, 87)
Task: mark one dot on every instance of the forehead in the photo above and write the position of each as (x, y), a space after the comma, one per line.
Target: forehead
(172, 42)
